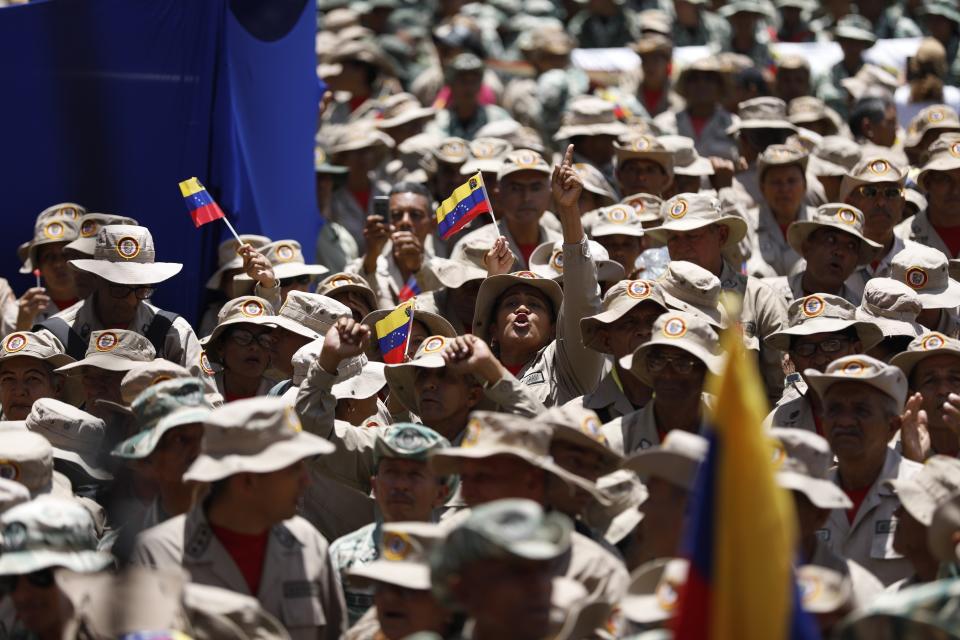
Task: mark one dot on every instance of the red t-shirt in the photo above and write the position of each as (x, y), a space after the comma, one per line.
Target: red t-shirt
(63, 304)
(698, 123)
(248, 551)
(857, 497)
(651, 98)
(950, 237)
(515, 369)
(362, 198)
(526, 250)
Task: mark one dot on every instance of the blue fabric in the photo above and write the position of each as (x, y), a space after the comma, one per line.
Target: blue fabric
(111, 103)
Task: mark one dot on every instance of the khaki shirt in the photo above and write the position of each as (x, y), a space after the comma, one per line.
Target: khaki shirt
(473, 246)
(793, 410)
(790, 289)
(869, 540)
(335, 246)
(9, 309)
(387, 280)
(298, 585)
(865, 585)
(858, 279)
(608, 401)
(639, 430)
(599, 571)
(772, 255)
(713, 139)
(918, 229)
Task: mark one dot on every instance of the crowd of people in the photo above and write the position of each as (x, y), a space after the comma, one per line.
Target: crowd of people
(516, 457)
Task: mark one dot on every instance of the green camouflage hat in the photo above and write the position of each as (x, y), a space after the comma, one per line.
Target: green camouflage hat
(50, 532)
(854, 27)
(408, 441)
(160, 408)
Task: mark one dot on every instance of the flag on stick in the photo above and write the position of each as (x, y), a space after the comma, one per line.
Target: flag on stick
(393, 333)
(468, 201)
(410, 289)
(200, 204)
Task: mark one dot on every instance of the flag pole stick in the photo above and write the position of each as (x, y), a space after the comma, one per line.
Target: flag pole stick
(486, 197)
(232, 230)
(406, 346)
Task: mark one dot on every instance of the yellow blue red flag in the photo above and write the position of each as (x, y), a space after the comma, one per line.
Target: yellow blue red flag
(201, 205)
(468, 201)
(393, 333)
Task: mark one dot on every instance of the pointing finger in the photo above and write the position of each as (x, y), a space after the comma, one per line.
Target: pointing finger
(568, 156)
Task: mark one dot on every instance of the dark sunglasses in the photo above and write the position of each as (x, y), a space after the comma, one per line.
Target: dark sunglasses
(120, 291)
(289, 282)
(42, 579)
(871, 191)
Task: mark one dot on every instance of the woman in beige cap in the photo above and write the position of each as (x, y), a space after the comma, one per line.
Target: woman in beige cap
(241, 345)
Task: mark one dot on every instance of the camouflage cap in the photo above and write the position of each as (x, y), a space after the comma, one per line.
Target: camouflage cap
(802, 461)
(408, 441)
(808, 110)
(68, 210)
(686, 160)
(707, 65)
(523, 160)
(864, 369)
(626, 494)
(286, 258)
(228, 258)
(643, 147)
(404, 558)
(822, 313)
(340, 283)
(309, 315)
(754, 7)
(675, 460)
(619, 300)
(765, 112)
(681, 330)
(242, 310)
(365, 50)
(870, 77)
(465, 63)
(520, 136)
(551, 39)
(495, 286)
(874, 168)
(933, 485)
(113, 350)
(943, 155)
(486, 155)
(255, 435)
(51, 231)
(834, 156)
(547, 262)
(588, 115)
(854, 27)
(580, 427)
(653, 595)
(75, 435)
(692, 289)
(892, 306)
(927, 271)
(843, 217)
(824, 591)
(927, 345)
(937, 117)
(160, 408)
(615, 220)
(943, 8)
(42, 346)
(595, 182)
(657, 21)
(400, 109)
(125, 254)
(11, 494)
(690, 211)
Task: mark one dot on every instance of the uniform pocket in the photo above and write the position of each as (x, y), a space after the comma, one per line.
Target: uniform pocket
(881, 545)
(301, 607)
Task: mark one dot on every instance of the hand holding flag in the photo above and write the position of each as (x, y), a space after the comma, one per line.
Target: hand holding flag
(393, 333)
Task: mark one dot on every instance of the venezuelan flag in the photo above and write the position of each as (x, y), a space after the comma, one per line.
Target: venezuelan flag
(410, 289)
(393, 332)
(468, 201)
(200, 204)
(741, 536)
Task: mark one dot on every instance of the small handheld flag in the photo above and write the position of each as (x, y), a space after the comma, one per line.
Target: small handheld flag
(202, 207)
(393, 333)
(410, 289)
(36, 273)
(468, 201)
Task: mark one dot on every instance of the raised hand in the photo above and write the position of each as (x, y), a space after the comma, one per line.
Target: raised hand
(29, 307)
(256, 265)
(914, 436)
(500, 258)
(376, 233)
(470, 354)
(407, 250)
(347, 338)
(566, 185)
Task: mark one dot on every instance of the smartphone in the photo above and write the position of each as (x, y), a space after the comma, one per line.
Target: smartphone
(381, 207)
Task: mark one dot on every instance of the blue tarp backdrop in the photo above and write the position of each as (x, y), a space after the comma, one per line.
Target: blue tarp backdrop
(110, 103)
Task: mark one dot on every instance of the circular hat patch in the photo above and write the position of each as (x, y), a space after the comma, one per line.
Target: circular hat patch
(205, 364)
(668, 595)
(339, 281)
(679, 209)
(433, 344)
(639, 289)
(916, 277)
(252, 309)
(472, 435)
(15, 342)
(779, 454)
(54, 230)
(854, 368)
(933, 341)
(107, 341)
(397, 546)
(525, 274)
(556, 260)
(641, 144)
(454, 148)
(955, 149)
(292, 419)
(69, 212)
(285, 253)
(9, 470)
(813, 306)
(935, 115)
(675, 328)
(810, 588)
(128, 248)
(847, 216)
(591, 426)
(525, 158)
(89, 228)
(618, 214)
(879, 167)
(483, 150)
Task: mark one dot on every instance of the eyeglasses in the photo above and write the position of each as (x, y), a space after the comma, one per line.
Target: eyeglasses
(872, 191)
(42, 579)
(289, 282)
(245, 338)
(828, 346)
(682, 365)
(120, 292)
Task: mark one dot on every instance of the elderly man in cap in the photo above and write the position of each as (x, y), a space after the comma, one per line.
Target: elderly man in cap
(832, 244)
(246, 535)
(674, 363)
(464, 114)
(926, 271)
(405, 490)
(862, 400)
(498, 566)
(820, 328)
(695, 230)
(644, 165)
(939, 225)
(27, 364)
(875, 187)
(127, 275)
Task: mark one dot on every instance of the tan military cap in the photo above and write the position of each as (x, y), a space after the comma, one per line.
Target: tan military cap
(113, 350)
(615, 220)
(549, 38)
(689, 211)
(686, 160)
(147, 374)
(125, 254)
(41, 346)
(927, 345)
(807, 110)
(619, 300)
(626, 494)
(643, 147)
(228, 258)
(792, 61)
(359, 135)
(242, 310)
(943, 155)
(647, 207)
(588, 115)
(547, 262)
(764, 112)
(877, 167)
(339, 283)
(822, 313)
(356, 377)
(654, 592)
(941, 534)
(845, 217)
(287, 260)
(256, 435)
(708, 64)
(453, 274)
(657, 21)
(51, 231)
(401, 377)
(781, 155)
(89, 225)
(860, 368)
(653, 43)
(400, 109)
(452, 151)
(404, 560)
(75, 435)
(802, 461)
(486, 155)
(523, 160)
(27, 458)
(676, 460)
(927, 271)
(823, 590)
(684, 331)
(692, 289)
(581, 427)
(870, 76)
(435, 323)
(854, 27)
(490, 433)
(309, 314)
(936, 482)
(495, 286)
(520, 136)
(834, 156)
(594, 182)
(69, 210)
(938, 117)
(892, 306)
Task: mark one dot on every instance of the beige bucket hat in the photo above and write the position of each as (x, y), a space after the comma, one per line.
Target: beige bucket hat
(802, 461)
(113, 350)
(41, 346)
(764, 112)
(874, 167)
(643, 147)
(147, 374)
(344, 282)
(400, 109)
(242, 310)
(452, 150)
(822, 313)
(676, 460)
(892, 306)
(356, 377)
(89, 226)
(588, 115)
(404, 559)
(823, 590)
(125, 254)
(808, 109)
(358, 135)
(684, 331)
(653, 42)
(547, 262)
(453, 274)
(619, 300)
(941, 534)
(523, 160)
(885, 378)
(927, 271)
(309, 314)
(614, 220)
(495, 286)
(75, 435)
(581, 427)
(653, 596)
(943, 155)
(51, 231)
(781, 155)
(937, 117)
(692, 289)
(486, 155)
(689, 211)
(489, 433)
(286, 257)
(626, 494)
(228, 258)
(932, 343)
(255, 435)
(595, 182)
(834, 156)
(686, 160)
(27, 458)
(844, 217)
(647, 207)
(708, 64)
(933, 485)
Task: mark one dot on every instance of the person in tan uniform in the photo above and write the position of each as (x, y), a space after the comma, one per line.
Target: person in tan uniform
(618, 230)
(938, 226)
(927, 271)
(644, 165)
(27, 372)
(694, 229)
(353, 291)
(893, 307)
(674, 363)
(862, 402)
(246, 536)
